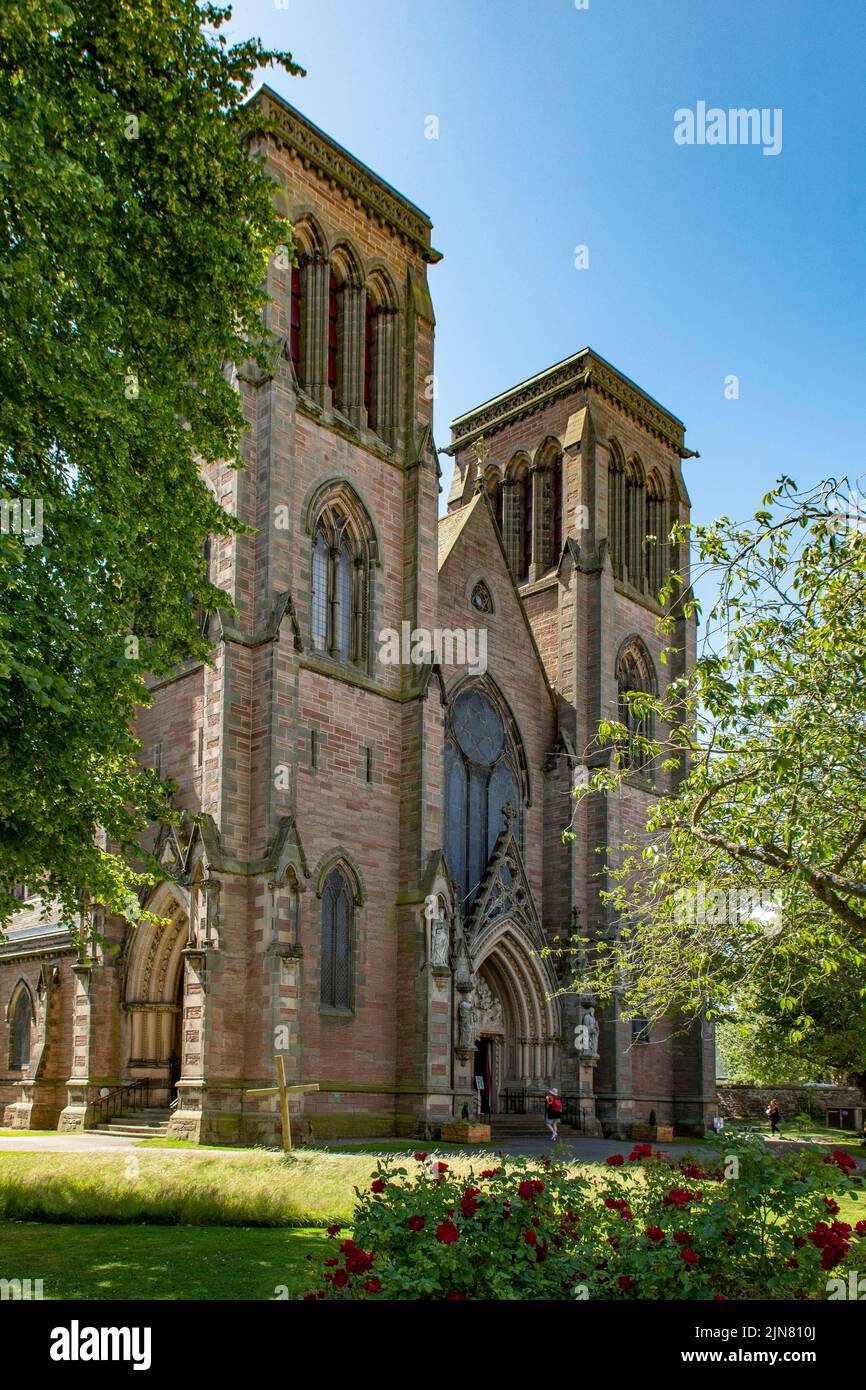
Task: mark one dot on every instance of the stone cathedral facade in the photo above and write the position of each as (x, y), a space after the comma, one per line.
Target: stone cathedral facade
(372, 861)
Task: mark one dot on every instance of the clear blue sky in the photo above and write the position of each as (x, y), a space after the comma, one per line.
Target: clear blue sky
(556, 129)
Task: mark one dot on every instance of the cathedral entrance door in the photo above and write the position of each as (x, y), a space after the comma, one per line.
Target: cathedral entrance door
(483, 1068)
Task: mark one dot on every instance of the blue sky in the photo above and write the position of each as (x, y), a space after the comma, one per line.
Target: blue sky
(556, 129)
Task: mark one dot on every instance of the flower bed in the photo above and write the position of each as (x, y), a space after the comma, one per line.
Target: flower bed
(650, 1227)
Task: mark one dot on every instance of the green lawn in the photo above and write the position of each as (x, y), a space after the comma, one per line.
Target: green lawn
(160, 1262)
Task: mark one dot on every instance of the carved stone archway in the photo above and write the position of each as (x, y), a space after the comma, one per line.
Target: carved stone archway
(153, 994)
(514, 1012)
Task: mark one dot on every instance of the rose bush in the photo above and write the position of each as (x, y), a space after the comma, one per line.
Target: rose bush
(647, 1227)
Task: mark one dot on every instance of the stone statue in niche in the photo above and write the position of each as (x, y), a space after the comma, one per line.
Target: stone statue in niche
(590, 1023)
(489, 1007)
(467, 1025)
(440, 942)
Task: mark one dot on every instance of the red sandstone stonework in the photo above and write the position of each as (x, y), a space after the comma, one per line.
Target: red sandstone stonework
(297, 761)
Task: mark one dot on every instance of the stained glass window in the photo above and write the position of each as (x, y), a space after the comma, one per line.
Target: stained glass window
(481, 777)
(338, 911)
(22, 1017)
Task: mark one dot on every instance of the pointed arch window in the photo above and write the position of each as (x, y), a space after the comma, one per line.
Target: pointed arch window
(557, 511)
(635, 523)
(483, 773)
(518, 519)
(295, 322)
(634, 674)
(380, 358)
(343, 553)
(20, 1024)
(616, 514)
(338, 929)
(656, 557)
(493, 483)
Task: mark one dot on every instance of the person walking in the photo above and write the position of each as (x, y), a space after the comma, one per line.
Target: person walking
(774, 1115)
(553, 1112)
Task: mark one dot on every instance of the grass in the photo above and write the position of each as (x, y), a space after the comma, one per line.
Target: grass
(26, 1133)
(153, 1262)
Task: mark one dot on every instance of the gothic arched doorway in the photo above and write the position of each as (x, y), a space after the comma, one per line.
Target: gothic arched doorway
(153, 1000)
(517, 1023)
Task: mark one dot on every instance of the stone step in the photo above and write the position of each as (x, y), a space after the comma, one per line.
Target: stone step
(131, 1131)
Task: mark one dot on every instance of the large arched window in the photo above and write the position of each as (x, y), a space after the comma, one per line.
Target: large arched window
(343, 550)
(483, 773)
(338, 930)
(657, 528)
(634, 673)
(20, 1023)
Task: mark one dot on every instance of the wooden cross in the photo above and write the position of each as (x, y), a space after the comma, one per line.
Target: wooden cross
(284, 1091)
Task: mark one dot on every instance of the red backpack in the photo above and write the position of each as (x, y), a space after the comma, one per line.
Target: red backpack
(554, 1104)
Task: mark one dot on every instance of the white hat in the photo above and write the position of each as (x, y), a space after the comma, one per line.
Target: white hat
(553, 1091)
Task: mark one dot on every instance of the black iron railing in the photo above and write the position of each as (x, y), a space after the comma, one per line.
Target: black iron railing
(520, 1102)
(134, 1096)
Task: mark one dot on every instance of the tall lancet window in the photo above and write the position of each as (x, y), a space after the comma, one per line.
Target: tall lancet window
(338, 917)
(483, 773)
(344, 551)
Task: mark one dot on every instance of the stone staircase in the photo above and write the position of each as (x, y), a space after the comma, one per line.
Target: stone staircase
(524, 1126)
(148, 1123)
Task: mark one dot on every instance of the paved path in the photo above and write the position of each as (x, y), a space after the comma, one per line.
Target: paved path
(580, 1148)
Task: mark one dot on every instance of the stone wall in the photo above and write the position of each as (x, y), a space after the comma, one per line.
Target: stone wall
(750, 1102)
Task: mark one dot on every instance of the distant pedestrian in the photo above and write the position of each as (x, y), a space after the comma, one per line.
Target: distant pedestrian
(774, 1115)
(553, 1112)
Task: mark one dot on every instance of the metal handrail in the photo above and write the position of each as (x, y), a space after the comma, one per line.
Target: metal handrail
(132, 1096)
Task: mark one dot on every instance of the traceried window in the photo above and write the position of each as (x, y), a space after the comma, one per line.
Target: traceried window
(20, 1023)
(482, 775)
(380, 358)
(343, 547)
(481, 598)
(634, 673)
(338, 919)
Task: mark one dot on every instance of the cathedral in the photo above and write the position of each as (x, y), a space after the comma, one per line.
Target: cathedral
(376, 767)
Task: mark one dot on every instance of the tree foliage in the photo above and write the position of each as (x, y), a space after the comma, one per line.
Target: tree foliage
(753, 868)
(135, 235)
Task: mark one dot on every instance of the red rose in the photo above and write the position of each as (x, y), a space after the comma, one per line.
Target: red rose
(860, 1228)
(530, 1237)
(655, 1233)
(683, 1237)
(491, 1172)
(340, 1278)
(625, 1283)
(416, 1223)
(443, 1167)
(832, 1207)
(377, 1186)
(690, 1256)
(332, 1230)
(615, 1161)
(420, 1157)
(640, 1151)
(330, 1263)
(373, 1285)
(468, 1206)
(451, 1297)
(447, 1233)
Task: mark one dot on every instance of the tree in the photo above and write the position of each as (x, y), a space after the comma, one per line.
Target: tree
(765, 1044)
(753, 868)
(135, 235)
